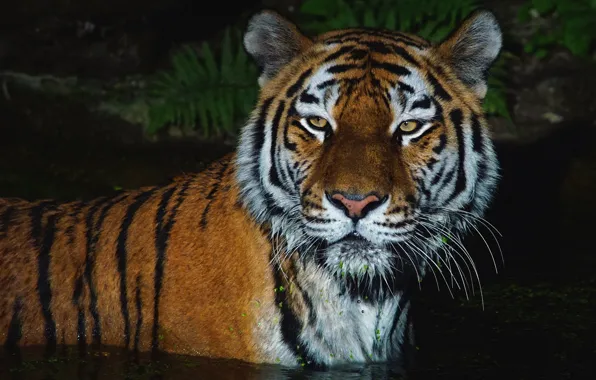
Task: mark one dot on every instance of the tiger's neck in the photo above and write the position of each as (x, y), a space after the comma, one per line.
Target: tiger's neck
(325, 325)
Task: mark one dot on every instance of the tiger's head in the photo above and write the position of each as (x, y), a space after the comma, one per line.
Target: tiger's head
(368, 147)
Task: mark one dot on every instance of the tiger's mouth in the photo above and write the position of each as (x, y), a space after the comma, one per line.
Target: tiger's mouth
(354, 252)
(353, 238)
(365, 269)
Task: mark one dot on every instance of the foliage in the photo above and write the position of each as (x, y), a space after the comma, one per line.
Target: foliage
(218, 89)
(216, 92)
(433, 21)
(495, 102)
(571, 25)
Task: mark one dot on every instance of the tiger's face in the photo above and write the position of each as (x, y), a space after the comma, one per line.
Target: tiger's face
(368, 147)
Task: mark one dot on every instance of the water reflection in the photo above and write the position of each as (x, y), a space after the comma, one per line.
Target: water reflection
(115, 364)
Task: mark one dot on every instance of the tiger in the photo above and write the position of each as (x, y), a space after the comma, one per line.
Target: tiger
(366, 148)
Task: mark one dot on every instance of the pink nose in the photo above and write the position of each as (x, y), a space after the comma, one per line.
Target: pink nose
(355, 206)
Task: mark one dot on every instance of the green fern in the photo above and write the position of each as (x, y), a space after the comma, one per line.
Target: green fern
(495, 102)
(432, 21)
(570, 25)
(215, 93)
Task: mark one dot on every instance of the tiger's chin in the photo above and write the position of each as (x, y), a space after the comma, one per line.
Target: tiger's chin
(366, 270)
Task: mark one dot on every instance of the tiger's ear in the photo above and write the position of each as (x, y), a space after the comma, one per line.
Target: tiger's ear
(472, 48)
(273, 41)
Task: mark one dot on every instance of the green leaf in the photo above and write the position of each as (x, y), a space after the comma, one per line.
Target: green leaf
(369, 19)
(441, 33)
(209, 61)
(203, 116)
(319, 7)
(541, 53)
(427, 30)
(227, 59)
(543, 6)
(391, 21)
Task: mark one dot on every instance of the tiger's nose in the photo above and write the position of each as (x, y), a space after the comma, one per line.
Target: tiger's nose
(356, 206)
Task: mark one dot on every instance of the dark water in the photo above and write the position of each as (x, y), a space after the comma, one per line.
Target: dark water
(113, 364)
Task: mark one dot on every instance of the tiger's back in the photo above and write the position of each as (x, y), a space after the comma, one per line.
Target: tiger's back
(141, 270)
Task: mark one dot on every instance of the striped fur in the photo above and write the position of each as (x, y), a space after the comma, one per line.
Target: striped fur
(255, 258)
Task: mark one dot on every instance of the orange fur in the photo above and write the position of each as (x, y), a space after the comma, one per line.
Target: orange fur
(205, 308)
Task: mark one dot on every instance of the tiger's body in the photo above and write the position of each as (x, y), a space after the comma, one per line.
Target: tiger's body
(365, 149)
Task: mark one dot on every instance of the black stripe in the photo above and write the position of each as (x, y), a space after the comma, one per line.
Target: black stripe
(160, 246)
(402, 303)
(391, 67)
(403, 38)
(74, 214)
(438, 111)
(405, 55)
(438, 176)
(448, 177)
(442, 144)
(356, 35)
(93, 232)
(422, 189)
(425, 133)
(272, 207)
(384, 97)
(212, 192)
(439, 91)
(423, 103)
(291, 111)
(358, 54)
(290, 323)
(482, 170)
(81, 325)
(308, 98)
(87, 277)
(5, 220)
(378, 47)
(139, 304)
(15, 333)
(290, 326)
(403, 87)
(456, 117)
(274, 170)
(293, 89)
(121, 256)
(282, 170)
(327, 83)
(430, 164)
(162, 236)
(342, 68)
(43, 237)
(447, 173)
(259, 134)
(341, 51)
(476, 134)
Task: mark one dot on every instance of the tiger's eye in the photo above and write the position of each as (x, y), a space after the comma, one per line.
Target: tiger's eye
(409, 126)
(317, 122)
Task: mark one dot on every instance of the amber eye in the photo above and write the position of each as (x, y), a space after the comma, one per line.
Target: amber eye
(317, 122)
(409, 126)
